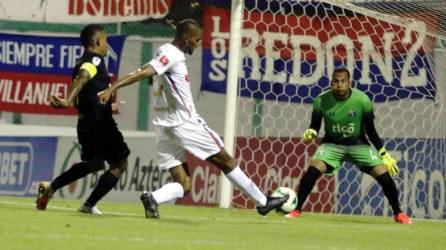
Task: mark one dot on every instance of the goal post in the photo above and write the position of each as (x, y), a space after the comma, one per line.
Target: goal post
(234, 63)
(288, 50)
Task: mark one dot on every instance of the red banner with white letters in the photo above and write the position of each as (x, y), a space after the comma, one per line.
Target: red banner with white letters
(29, 93)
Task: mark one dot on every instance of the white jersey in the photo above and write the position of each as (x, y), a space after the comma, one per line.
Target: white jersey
(173, 102)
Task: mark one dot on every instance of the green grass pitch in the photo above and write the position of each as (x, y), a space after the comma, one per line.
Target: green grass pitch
(123, 226)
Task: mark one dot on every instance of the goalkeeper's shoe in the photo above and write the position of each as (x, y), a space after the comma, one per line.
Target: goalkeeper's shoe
(293, 214)
(90, 210)
(150, 205)
(403, 219)
(272, 203)
(44, 194)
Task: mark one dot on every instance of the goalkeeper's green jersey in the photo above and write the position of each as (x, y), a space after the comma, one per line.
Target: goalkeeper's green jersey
(343, 119)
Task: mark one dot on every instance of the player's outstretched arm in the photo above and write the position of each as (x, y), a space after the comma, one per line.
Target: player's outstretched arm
(370, 129)
(79, 82)
(146, 71)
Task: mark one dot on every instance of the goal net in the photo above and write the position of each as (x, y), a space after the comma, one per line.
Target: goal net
(395, 51)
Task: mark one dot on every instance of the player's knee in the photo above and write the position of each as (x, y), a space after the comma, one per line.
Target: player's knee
(384, 178)
(96, 164)
(223, 161)
(319, 165)
(184, 181)
(377, 171)
(119, 168)
(187, 185)
(227, 166)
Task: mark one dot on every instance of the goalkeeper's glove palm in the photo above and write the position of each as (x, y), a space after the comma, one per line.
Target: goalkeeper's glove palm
(389, 162)
(309, 134)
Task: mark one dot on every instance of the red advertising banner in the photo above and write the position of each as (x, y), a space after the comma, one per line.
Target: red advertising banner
(29, 93)
(205, 182)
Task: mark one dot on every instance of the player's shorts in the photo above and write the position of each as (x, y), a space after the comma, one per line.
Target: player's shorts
(193, 136)
(101, 139)
(334, 155)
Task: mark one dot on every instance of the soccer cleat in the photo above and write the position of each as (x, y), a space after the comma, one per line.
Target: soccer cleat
(272, 203)
(293, 214)
(150, 205)
(43, 195)
(90, 210)
(403, 219)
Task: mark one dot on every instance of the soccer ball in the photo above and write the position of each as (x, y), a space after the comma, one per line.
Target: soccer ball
(290, 204)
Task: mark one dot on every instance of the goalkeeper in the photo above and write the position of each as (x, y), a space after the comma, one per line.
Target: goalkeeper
(348, 118)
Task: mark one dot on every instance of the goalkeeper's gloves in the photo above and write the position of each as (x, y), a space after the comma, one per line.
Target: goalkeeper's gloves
(389, 162)
(309, 134)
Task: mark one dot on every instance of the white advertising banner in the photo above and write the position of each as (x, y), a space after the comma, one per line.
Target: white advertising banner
(13, 10)
(83, 11)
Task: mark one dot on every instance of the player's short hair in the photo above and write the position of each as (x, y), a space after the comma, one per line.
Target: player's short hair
(184, 26)
(340, 70)
(87, 34)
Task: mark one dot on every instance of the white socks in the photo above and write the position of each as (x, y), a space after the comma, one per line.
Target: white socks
(168, 192)
(237, 177)
(242, 182)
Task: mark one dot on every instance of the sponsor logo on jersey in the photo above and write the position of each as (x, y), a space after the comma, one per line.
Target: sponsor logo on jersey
(164, 60)
(352, 113)
(96, 61)
(346, 130)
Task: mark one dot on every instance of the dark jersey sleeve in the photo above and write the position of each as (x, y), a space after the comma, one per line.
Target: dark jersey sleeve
(316, 115)
(369, 126)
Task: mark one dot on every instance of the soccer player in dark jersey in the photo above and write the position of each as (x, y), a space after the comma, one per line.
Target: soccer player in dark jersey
(97, 131)
(348, 118)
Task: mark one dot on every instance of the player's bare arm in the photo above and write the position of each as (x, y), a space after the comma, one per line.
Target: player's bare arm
(146, 71)
(78, 83)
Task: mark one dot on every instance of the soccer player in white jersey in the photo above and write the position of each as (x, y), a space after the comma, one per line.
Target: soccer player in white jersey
(179, 127)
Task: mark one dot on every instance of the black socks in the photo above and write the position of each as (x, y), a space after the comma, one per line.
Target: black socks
(390, 191)
(306, 185)
(106, 182)
(76, 172)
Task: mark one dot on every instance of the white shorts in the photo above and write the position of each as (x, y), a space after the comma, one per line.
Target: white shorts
(193, 136)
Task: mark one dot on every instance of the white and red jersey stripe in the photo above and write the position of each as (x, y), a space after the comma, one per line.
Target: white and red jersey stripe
(173, 102)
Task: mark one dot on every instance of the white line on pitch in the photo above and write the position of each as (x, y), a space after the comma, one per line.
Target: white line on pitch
(223, 218)
(196, 217)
